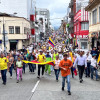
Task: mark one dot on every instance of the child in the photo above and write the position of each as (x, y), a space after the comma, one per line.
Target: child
(56, 67)
(19, 66)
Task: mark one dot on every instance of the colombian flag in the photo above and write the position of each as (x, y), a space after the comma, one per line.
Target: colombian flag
(36, 62)
(51, 42)
(75, 71)
(98, 60)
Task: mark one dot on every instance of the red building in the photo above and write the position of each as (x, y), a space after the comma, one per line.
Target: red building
(81, 29)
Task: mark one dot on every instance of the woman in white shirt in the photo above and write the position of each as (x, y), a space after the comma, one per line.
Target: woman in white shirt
(56, 67)
(94, 67)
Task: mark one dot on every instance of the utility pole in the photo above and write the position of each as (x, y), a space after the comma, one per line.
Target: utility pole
(4, 36)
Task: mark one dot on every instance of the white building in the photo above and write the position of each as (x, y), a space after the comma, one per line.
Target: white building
(23, 8)
(18, 31)
(43, 17)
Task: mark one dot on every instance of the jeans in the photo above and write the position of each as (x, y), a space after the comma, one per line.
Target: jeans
(3, 73)
(92, 72)
(31, 67)
(10, 69)
(68, 82)
(56, 73)
(72, 71)
(24, 65)
(19, 73)
(43, 68)
(81, 71)
(87, 70)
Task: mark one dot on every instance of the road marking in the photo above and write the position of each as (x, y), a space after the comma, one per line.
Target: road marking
(35, 86)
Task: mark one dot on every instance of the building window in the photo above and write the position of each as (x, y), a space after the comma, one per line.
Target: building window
(99, 14)
(94, 16)
(17, 30)
(85, 26)
(11, 29)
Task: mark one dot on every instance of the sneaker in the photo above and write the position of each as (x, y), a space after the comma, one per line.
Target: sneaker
(97, 79)
(49, 74)
(69, 93)
(80, 80)
(17, 81)
(21, 79)
(10, 77)
(62, 88)
(38, 76)
(56, 80)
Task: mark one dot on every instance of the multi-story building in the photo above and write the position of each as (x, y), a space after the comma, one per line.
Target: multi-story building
(81, 28)
(94, 22)
(72, 6)
(43, 19)
(17, 29)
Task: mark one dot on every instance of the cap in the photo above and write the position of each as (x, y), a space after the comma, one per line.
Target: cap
(65, 54)
(40, 50)
(47, 50)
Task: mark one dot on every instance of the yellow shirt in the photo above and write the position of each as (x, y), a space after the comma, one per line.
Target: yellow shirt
(3, 63)
(41, 58)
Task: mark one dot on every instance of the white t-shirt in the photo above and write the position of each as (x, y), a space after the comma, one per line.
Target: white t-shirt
(93, 62)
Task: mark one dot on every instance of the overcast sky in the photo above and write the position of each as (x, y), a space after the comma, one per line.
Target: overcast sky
(57, 8)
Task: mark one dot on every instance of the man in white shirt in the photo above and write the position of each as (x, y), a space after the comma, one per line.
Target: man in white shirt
(82, 64)
(87, 70)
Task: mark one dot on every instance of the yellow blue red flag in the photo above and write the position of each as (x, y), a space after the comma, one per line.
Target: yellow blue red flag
(51, 42)
(98, 59)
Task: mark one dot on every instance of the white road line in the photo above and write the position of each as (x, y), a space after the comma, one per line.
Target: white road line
(33, 90)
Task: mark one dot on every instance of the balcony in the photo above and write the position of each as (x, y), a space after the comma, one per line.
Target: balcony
(71, 4)
(71, 14)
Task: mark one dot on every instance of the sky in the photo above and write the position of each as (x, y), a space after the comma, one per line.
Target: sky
(57, 8)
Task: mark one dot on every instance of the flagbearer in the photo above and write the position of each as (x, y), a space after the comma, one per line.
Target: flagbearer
(48, 67)
(41, 58)
(65, 66)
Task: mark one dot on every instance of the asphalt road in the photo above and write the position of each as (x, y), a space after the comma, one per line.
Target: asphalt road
(47, 88)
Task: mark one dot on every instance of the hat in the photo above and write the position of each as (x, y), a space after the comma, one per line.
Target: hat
(94, 54)
(65, 54)
(40, 50)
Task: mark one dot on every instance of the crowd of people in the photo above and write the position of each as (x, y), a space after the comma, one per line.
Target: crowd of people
(65, 60)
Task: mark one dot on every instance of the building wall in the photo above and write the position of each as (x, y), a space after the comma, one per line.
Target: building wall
(94, 27)
(81, 35)
(22, 38)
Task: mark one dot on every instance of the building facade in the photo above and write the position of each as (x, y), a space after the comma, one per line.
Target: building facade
(43, 19)
(81, 29)
(18, 32)
(94, 23)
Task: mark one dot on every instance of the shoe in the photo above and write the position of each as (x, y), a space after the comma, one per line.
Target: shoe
(62, 88)
(56, 80)
(81, 81)
(49, 74)
(10, 77)
(69, 93)
(33, 72)
(17, 81)
(38, 76)
(97, 79)
(21, 79)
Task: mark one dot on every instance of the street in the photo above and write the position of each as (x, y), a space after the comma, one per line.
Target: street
(48, 89)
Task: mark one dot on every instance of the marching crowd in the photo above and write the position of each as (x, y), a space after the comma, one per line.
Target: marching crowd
(65, 59)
